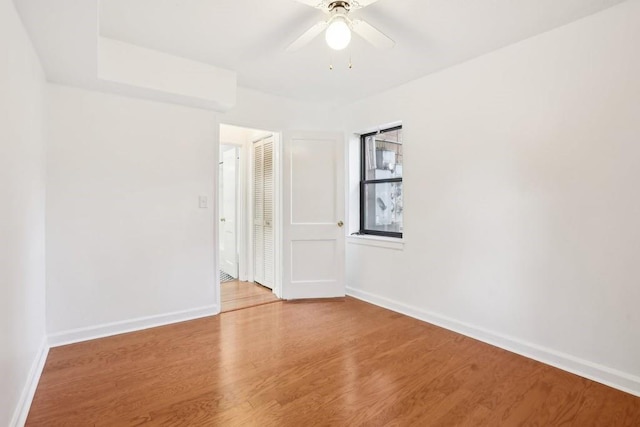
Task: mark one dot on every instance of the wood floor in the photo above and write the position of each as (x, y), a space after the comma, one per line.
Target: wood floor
(342, 363)
(235, 295)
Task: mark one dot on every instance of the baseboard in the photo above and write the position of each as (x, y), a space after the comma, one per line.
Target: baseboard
(26, 397)
(584, 368)
(115, 328)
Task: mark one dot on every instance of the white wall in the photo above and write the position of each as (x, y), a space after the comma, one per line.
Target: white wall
(126, 239)
(127, 245)
(22, 210)
(264, 111)
(135, 66)
(521, 197)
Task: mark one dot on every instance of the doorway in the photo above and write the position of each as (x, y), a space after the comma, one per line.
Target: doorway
(247, 217)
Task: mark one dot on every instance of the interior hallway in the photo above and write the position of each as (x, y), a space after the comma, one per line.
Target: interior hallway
(235, 295)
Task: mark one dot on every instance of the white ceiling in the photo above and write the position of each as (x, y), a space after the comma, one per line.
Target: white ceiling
(249, 36)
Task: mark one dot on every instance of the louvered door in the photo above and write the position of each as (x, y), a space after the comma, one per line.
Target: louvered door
(263, 230)
(268, 234)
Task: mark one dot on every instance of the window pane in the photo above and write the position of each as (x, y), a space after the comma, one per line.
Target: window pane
(383, 207)
(383, 155)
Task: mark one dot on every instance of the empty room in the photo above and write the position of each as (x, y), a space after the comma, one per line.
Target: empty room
(320, 212)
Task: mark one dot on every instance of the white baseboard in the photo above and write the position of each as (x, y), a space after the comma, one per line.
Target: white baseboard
(614, 378)
(26, 397)
(108, 329)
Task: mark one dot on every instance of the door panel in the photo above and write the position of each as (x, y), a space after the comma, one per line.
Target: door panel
(314, 194)
(313, 172)
(313, 261)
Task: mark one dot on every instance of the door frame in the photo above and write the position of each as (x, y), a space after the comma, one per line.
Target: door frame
(245, 208)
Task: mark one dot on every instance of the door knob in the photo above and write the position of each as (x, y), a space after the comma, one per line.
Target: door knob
(222, 220)
(340, 223)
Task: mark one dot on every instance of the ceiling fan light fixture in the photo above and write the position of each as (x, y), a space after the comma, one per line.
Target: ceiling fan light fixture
(339, 26)
(338, 34)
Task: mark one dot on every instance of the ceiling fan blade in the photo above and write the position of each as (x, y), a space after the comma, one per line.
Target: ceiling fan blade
(372, 35)
(308, 35)
(318, 4)
(360, 3)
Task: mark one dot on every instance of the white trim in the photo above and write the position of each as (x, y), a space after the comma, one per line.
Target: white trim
(115, 328)
(216, 219)
(277, 213)
(248, 219)
(26, 397)
(611, 377)
(377, 241)
(241, 214)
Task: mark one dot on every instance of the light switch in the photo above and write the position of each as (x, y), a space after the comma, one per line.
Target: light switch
(202, 200)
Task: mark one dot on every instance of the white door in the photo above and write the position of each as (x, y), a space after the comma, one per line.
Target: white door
(313, 215)
(263, 212)
(228, 203)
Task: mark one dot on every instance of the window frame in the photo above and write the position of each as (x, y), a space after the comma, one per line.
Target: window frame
(364, 182)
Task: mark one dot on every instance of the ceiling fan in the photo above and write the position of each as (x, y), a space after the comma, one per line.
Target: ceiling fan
(339, 26)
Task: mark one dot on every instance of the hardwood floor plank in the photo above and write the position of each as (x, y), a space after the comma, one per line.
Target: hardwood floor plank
(312, 363)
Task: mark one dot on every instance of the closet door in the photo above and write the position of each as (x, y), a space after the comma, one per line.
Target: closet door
(263, 213)
(258, 212)
(267, 215)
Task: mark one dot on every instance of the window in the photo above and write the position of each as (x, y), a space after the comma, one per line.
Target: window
(381, 183)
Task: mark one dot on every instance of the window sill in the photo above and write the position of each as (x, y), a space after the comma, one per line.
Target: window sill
(377, 241)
